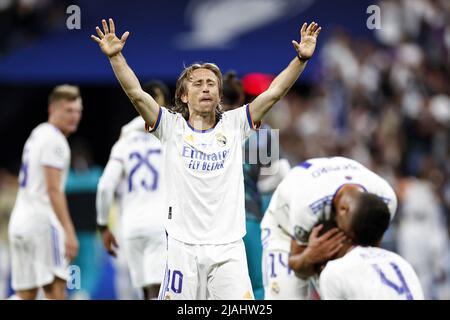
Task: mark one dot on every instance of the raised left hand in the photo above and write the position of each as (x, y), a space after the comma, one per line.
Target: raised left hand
(308, 39)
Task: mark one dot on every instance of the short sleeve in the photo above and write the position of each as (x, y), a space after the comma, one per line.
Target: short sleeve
(329, 284)
(108, 183)
(164, 124)
(137, 124)
(282, 211)
(55, 153)
(300, 221)
(241, 118)
(117, 151)
(383, 190)
(392, 202)
(111, 176)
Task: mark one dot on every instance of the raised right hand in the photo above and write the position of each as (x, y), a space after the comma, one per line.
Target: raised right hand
(108, 41)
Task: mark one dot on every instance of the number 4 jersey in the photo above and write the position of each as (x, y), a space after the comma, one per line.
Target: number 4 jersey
(46, 146)
(368, 273)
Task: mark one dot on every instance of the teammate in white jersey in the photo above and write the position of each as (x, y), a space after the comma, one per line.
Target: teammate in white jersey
(136, 160)
(361, 270)
(309, 195)
(203, 169)
(41, 233)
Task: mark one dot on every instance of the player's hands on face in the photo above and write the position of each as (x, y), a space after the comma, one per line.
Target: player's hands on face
(109, 242)
(308, 39)
(72, 246)
(108, 41)
(324, 247)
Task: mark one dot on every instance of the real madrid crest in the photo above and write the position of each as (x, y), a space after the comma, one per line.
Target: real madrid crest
(301, 234)
(221, 139)
(275, 287)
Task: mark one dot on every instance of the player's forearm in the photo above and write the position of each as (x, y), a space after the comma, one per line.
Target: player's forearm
(301, 266)
(127, 78)
(281, 85)
(130, 84)
(277, 90)
(59, 204)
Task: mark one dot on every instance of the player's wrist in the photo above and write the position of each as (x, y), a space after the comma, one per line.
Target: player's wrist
(69, 229)
(309, 258)
(115, 56)
(302, 59)
(102, 228)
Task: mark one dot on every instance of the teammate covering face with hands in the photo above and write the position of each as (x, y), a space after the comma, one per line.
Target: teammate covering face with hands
(203, 168)
(311, 196)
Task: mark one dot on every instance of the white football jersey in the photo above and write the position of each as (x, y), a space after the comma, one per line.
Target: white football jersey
(46, 146)
(369, 273)
(304, 197)
(134, 166)
(203, 177)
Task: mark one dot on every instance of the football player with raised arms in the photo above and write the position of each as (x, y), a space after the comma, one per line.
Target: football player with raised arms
(202, 149)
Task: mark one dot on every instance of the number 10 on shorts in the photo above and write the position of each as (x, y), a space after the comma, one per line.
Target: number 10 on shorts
(173, 281)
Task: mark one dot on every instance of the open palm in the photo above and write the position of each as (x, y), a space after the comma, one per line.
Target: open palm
(109, 43)
(308, 39)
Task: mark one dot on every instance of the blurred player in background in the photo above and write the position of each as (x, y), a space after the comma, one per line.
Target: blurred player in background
(421, 216)
(135, 164)
(362, 270)
(203, 168)
(8, 192)
(312, 193)
(41, 233)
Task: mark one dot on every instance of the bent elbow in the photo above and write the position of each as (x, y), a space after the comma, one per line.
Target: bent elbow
(275, 94)
(293, 264)
(53, 192)
(105, 188)
(135, 96)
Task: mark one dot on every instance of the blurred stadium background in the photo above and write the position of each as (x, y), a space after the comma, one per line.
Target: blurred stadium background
(380, 96)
